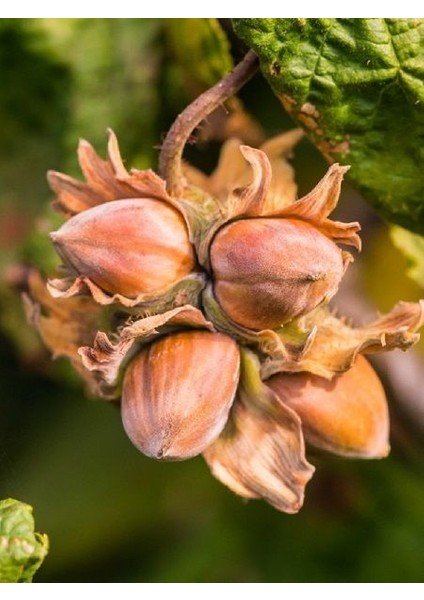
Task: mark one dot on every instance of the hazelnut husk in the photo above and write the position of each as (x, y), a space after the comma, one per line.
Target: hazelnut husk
(263, 259)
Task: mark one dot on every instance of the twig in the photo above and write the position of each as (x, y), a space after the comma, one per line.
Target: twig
(172, 149)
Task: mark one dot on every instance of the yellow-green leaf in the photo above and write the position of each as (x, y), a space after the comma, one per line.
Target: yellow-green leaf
(412, 245)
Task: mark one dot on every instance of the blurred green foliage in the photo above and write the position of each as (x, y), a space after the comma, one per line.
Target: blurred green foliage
(413, 247)
(110, 513)
(201, 49)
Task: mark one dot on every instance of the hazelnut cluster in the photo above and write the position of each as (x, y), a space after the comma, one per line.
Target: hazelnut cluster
(205, 314)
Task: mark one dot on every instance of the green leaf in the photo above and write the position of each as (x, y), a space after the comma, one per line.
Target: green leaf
(412, 245)
(357, 86)
(201, 48)
(21, 550)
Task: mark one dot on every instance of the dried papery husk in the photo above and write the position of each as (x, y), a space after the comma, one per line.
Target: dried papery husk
(106, 180)
(66, 325)
(260, 453)
(319, 203)
(258, 198)
(233, 171)
(185, 291)
(336, 344)
(109, 354)
(347, 416)
(177, 393)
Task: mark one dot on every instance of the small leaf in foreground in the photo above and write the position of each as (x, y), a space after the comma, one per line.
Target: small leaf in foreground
(21, 549)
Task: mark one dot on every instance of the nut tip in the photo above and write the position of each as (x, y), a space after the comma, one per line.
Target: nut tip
(55, 236)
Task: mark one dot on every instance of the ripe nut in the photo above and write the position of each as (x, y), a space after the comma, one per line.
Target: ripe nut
(347, 416)
(177, 395)
(269, 270)
(128, 247)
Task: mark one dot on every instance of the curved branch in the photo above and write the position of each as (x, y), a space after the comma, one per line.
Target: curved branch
(172, 149)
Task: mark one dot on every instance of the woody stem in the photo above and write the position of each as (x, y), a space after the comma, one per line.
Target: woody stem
(170, 157)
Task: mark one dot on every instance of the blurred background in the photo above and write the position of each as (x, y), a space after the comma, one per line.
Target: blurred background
(111, 514)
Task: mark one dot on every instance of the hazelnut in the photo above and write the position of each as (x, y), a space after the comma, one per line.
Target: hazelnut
(177, 395)
(267, 271)
(128, 247)
(347, 416)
